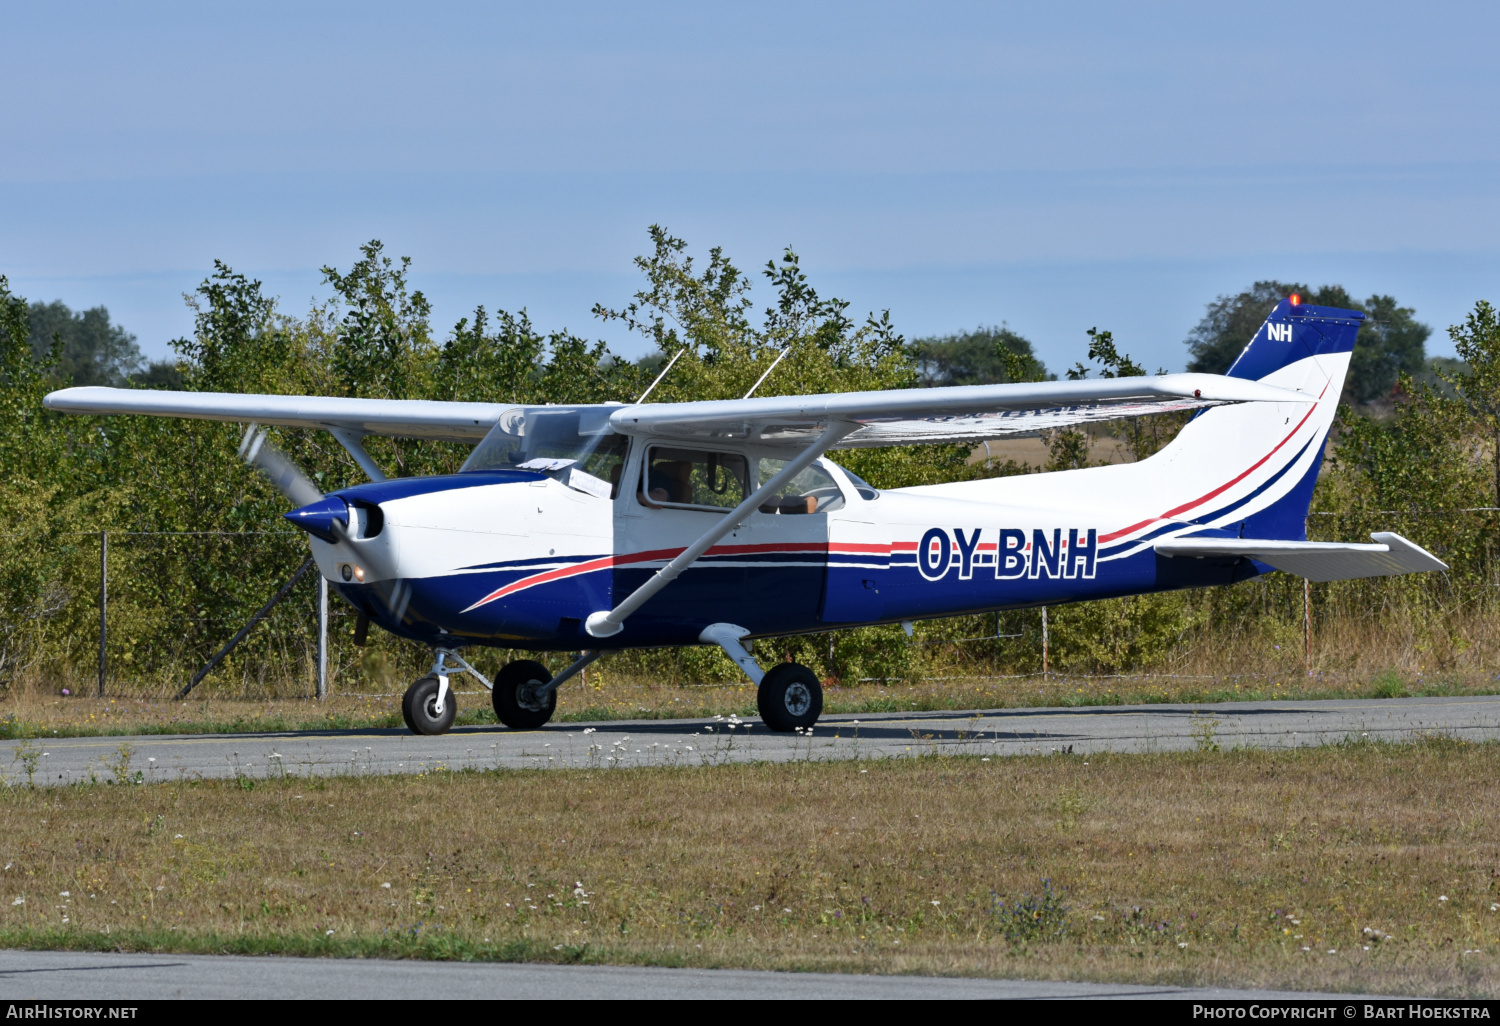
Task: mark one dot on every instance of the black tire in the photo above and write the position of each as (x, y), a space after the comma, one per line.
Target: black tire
(516, 705)
(417, 707)
(790, 697)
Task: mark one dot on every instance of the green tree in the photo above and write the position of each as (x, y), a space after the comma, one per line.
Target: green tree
(89, 349)
(1069, 448)
(1435, 453)
(984, 356)
(1391, 341)
(383, 338)
(1231, 322)
(1112, 363)
(478, 364)
(705, 312)
(25, 377)
(1477, 341)
(706, 315)
(240, 343)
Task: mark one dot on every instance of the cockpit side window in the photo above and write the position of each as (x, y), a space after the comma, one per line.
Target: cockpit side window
(606, 462)
(694, 479)
(812, 491)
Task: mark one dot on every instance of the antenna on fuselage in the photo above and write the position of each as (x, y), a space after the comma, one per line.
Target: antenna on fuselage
(767, 374)
(661, 375)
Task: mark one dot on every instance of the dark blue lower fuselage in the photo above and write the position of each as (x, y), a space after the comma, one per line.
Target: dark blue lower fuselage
(784, 599)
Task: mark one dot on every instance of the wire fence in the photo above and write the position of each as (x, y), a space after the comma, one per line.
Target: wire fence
(134, 611)
(118, 608)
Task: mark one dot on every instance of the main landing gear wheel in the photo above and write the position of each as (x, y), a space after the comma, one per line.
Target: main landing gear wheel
(790, 697)
(419, 707)
(519, 701)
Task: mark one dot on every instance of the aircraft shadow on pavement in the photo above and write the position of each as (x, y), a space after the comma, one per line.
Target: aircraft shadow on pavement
(991, 723)
(873, 731)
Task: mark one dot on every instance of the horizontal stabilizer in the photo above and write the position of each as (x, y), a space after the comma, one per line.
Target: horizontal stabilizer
(1317, 561)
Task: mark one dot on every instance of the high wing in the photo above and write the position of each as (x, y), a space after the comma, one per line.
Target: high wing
(927, 415)
(893, 417)
(1317, 561)
(405, 418)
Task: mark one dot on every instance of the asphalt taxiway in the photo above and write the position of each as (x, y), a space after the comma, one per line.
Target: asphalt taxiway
(622, 744)
(95, 976)
(65, 976)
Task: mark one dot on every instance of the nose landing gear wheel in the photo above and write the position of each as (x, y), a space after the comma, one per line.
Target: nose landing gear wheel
(518, 701)
(419, 707)
(790, 697)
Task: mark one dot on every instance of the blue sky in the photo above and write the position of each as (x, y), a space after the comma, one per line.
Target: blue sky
(1054, 167)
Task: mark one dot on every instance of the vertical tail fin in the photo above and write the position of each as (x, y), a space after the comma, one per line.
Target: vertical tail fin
(1294, 332)
(1257, 463)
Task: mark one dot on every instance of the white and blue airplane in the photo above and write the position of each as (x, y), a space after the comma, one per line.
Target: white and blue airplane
(606, 527)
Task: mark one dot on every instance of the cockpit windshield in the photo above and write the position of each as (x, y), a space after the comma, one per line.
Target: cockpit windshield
(551, 439)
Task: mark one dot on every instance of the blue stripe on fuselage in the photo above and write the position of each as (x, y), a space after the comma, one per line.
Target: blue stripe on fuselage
(767, 600)
(406, 487)
(1224, 511)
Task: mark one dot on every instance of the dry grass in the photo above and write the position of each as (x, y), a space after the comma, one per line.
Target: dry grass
(30, 712)
(1245, 868)
(1359, 640)
(33, 712)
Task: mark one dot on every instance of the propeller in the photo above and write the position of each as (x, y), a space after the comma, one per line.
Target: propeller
(257, 450)
(325, 516)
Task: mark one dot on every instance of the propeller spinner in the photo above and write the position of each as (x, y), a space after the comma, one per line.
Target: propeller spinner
(327, 517)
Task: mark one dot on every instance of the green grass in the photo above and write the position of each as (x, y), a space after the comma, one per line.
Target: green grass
(1363, 867)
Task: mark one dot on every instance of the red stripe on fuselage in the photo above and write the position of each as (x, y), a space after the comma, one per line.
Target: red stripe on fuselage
(610, 562)
(849, 548)
(1223, 487)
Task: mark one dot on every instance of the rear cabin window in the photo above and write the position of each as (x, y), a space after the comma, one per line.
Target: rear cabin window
(694, 479)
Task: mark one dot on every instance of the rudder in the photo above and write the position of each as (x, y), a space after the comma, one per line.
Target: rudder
(1267, 456)
(1295, 331)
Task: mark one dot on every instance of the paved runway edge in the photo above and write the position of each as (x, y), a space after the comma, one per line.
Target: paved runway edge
(983, 733)
(65, 976)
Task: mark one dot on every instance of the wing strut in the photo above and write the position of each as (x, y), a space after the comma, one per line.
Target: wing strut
(354, 443)
(607, 624)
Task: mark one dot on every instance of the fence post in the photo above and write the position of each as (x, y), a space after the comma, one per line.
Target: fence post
(1307, 626)
(1045, 668)
(322, 637)
(103, 606)
(261, 614)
